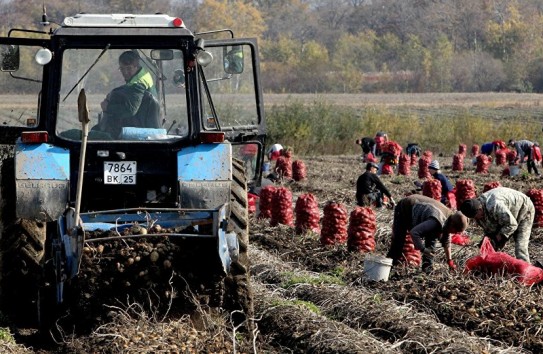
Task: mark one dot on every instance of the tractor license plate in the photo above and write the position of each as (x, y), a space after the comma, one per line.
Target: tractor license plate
(120, 172)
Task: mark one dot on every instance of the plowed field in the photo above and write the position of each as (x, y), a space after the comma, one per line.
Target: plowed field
(314, 298)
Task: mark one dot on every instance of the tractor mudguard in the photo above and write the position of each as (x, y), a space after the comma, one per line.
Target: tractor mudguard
(42, 178)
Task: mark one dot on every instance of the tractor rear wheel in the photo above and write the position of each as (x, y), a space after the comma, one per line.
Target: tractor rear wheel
(22, 249)
(239, 294)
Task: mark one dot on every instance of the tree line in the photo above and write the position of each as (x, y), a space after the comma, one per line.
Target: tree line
(355, 46)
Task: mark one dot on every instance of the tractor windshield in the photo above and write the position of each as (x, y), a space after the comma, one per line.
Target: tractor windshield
(127, 94)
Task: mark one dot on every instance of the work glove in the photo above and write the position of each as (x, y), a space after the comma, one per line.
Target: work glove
(451, 264)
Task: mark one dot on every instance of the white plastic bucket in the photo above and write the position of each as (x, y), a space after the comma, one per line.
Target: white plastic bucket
(377, 267)
(514, 170)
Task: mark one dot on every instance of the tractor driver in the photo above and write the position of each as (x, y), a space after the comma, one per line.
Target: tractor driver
(122, 104)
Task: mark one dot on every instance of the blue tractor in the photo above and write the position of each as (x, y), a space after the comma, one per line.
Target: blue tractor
(126, 131)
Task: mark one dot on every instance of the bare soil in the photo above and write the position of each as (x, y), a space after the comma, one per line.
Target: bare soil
(314, 298)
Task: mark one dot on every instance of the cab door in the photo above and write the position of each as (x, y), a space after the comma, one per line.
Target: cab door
(23, 62)
(233, 83)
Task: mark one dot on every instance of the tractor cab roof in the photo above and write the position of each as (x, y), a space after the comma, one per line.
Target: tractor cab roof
(122, 20)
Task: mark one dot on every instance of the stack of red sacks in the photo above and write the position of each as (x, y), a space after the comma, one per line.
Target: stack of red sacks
(298, 170)
(391, 152)
(307, 214)
(410, 256)
(266, 202)
(282, 207)
(361, 231)
(483, 162)
(491, 262)
(536, 196)
(462, 149)
(501, 157)
(465, 189)
(424, 162)
(475, 150)
(334, 224)
(404, 167)
(458, 162)
(283, 165)
(432, 188)
(491, 185)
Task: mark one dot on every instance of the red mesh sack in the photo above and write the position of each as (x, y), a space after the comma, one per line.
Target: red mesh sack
(475, 150)
(458, 162)
(536, 196)
(461, 239)
(414, 160)
(369, 158)
(536, 153)
(404, 165)
(361, 231)
(483, 162)
(298, 170)
(252, 200)
(334, 224)
(307, 214)
(465, 189)
(501, 157)
(451, 199)
(499, 144)
(424, 162)
(511, 157)
(410, 256)
(491, 262)
(432, 188)
(392, 148)
(282, 207)
(283, 166)
(491, 185)
(462, 149)
(387, 169)
(266, 202)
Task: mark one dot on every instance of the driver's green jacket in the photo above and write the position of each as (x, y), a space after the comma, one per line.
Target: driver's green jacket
(124, 102)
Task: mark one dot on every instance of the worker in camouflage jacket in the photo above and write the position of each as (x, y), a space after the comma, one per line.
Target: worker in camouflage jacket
(427, 220)
(503, 213)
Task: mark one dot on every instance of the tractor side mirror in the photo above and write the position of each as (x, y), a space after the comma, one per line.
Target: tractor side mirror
(10, 57)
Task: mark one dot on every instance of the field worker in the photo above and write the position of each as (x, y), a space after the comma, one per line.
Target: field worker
(413, 149)
(370, 189)
(503, 213)
(447, 194)
(368, 147)
(380, 139)
(524, 149)
(428, 221)
(488, 148)
(274, 152)
(121, 105)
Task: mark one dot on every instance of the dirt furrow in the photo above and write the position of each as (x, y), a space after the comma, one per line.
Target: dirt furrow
(362, 309)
